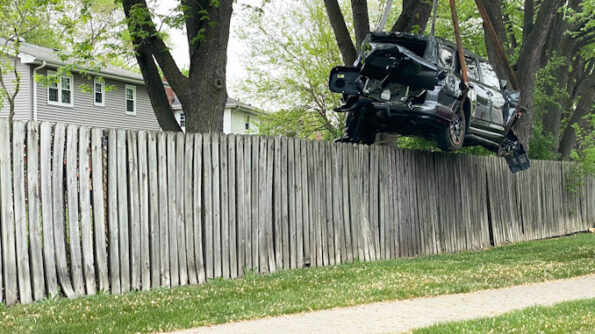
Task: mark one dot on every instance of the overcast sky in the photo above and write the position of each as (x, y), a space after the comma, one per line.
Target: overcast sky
(179, 44)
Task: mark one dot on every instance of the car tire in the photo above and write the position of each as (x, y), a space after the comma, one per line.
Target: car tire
(451, 138)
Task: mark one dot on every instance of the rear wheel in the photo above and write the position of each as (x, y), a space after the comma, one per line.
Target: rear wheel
(451, 138)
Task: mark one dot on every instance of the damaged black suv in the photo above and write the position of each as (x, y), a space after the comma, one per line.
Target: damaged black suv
(411, 85)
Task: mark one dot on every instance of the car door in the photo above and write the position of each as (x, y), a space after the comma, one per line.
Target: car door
(449, 91)
(482, 114)
(497, 101)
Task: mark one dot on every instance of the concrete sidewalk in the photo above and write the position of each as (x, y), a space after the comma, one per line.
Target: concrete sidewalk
(404, 315)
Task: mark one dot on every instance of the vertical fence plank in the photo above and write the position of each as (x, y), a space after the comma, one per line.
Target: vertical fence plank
(114, 249)
(295, 161)
(208, 196)
(277, 196)
(189, 208)
(291, 225)
(179, 208)
(85, 205)
(303, 158)
(248, 209)
(233, 239)
(33, 195)
(198, 209)
(217, 247)
(58, 206)
(262, 206)
(284, 237)
(164, 265)
(172, 200)
(99, 209)
(122, 204)
(7, 212)
(74, 235)
(254, 209)
(47, 212)
(269, 205)
(337, 195)
(223, 157)
(328, 193)
(242, 216)
(20, 212)
(346, 194)
(145, 231)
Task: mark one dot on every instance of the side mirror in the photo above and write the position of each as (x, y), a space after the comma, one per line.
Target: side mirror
(503, 84)
(441, 75)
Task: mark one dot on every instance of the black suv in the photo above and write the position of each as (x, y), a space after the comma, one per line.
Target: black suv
(411, 85)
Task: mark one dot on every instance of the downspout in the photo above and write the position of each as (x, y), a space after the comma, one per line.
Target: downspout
(35, 89)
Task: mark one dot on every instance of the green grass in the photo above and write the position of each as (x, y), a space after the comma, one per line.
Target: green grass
(306, 289)
(570, 317)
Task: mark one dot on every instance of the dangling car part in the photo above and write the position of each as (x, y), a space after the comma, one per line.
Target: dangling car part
(412, 85)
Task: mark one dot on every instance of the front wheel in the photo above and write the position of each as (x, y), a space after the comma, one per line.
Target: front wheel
(451, 138)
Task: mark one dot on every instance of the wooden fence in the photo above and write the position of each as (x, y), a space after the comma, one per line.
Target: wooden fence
(85, 209)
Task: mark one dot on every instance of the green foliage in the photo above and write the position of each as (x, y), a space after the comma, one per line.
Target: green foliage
(288, 68)
(583, 155)
(569, 317)
(303, 290)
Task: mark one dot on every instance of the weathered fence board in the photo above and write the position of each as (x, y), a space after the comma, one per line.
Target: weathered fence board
(143, 188)
(33, 196)
(99, 209)
(153, 184)
(114, 249)
(138, 210)
(47, 214)
(85, 210)
(20, 215)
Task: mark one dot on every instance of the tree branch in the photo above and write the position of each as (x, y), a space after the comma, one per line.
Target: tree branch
(342, 36)
(361, 20)
(414, 17)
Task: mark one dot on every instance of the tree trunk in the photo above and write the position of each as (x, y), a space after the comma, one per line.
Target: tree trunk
(414, 17)
(203, 93)
(155, 89)
(342, 36)
(528, 64)
(583, 108)
(361, 20)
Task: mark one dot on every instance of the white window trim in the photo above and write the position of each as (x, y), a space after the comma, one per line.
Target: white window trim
(102, 104)
(133, 113)
(61, 104)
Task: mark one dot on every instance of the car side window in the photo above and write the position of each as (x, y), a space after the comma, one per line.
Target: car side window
(446, 57)
(472, 68)
(488, 75)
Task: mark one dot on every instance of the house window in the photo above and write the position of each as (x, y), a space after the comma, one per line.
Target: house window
(130, 100)
(99, 93)
(247, 122)
(182, 120)
(60, 91)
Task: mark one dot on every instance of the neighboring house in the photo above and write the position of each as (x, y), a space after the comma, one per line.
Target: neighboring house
(238, 118)
(116, 99)
(125, 104)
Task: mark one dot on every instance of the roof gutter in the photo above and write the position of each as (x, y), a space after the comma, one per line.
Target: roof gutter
(35, 89)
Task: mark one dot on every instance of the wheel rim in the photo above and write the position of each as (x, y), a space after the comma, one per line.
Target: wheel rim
(456, 129)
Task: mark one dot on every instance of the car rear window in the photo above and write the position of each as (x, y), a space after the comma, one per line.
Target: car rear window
(417, 47)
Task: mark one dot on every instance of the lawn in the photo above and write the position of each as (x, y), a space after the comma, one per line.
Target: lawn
(570, 317)
(306, 289)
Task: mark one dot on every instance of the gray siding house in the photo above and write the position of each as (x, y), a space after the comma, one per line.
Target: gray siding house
(117, 98)
(114, 98)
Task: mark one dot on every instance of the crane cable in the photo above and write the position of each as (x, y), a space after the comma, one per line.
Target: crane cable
(382, 23)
